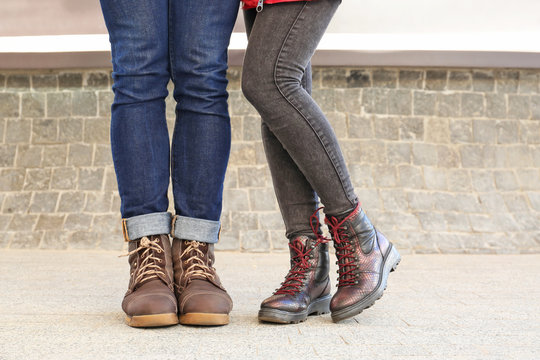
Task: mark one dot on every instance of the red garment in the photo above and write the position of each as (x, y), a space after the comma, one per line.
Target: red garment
(250, 4)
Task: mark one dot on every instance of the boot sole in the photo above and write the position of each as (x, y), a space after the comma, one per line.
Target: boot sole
(319, 306)
(152, 320)
(390, 264)
(206, 319)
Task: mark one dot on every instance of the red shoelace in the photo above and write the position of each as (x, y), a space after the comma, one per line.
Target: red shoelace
(344, 252)
(296, 275)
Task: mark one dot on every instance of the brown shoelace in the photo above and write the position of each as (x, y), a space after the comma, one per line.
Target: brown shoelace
(196, 266)
(148, 268)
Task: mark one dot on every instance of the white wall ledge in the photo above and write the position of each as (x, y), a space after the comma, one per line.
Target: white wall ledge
(513, 50)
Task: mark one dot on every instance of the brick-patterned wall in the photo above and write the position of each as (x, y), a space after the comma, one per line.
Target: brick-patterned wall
(443, 160)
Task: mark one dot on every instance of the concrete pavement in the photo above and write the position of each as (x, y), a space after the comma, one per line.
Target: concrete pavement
(66, 305)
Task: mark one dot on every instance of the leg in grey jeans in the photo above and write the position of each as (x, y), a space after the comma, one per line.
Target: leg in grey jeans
(301, 147)
(297, 200)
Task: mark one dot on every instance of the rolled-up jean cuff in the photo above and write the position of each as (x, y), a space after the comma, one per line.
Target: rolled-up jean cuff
(148, 224)
(187, 228)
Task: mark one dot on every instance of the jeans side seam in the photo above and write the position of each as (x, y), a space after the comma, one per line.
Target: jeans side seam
(330, 156)
(170, 41)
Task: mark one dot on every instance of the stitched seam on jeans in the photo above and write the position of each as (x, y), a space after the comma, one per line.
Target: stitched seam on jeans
(332, 159)
(170, 42)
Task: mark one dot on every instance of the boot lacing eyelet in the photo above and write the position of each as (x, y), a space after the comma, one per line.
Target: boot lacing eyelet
(347, 260)
(296, 276)
(147, 268)
(198, 268)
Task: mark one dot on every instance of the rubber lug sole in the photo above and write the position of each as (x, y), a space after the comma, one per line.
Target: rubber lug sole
(318, 306)
(391, 263)
(152, 320)
(204, 319)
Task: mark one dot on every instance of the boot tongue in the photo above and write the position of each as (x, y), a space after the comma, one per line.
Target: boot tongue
(298, 243)
(297, 247)
(196, 249)
(195, 245)
(153, 274)
(199, 256)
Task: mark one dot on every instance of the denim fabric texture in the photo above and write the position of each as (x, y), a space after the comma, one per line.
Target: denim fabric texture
(303, 153)
(148, 224)
(153, 42)
(195, 229)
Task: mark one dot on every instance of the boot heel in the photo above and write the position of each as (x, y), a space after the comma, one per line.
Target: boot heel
(320, 306)
(394, 258)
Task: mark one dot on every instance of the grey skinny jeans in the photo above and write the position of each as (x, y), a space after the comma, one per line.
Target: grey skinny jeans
(300, 145)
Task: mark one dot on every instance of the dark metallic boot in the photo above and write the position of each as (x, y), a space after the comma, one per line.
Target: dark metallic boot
(365, 258)
(202, 300)
(150, 299)
(306, 289)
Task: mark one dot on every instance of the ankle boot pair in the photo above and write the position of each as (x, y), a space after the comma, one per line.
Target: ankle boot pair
(170, 286)
(364, 258)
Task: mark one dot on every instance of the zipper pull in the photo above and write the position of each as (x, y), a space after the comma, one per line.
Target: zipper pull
(260, 5)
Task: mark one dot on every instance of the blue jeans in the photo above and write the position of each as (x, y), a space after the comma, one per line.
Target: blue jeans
(152, 42)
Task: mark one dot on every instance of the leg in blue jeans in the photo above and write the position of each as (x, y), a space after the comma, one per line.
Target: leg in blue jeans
(138, 32)
(202, 135)
(152, 42)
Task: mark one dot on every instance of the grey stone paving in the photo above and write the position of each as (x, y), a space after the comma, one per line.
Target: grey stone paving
(66, 305)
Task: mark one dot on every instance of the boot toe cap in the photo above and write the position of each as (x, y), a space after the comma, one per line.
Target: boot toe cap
(153, 297)
(206, 302)
(150, 304)
(284, 303)
(347, 296)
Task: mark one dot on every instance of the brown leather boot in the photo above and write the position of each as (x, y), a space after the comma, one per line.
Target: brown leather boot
(202, 300)
(306, 289)
(150, 299)
(365, 258)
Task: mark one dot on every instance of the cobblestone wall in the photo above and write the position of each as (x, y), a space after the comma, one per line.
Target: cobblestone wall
(443, 160)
